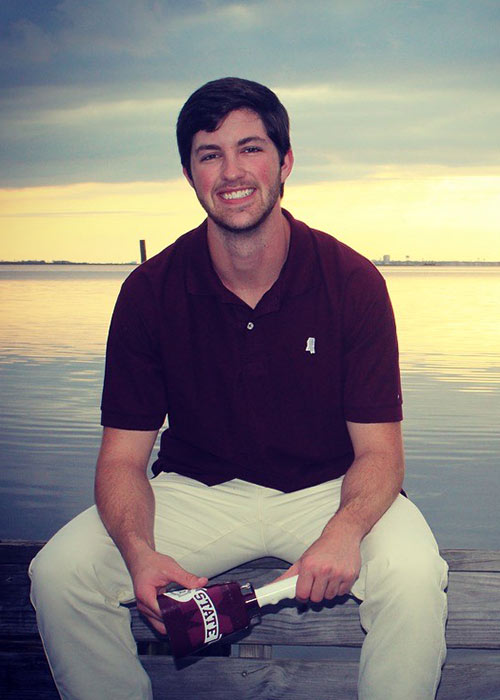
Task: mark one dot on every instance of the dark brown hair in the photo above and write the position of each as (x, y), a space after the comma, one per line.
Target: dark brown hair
(208, 105)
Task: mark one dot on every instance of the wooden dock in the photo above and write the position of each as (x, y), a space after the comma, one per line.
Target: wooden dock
(258, 665)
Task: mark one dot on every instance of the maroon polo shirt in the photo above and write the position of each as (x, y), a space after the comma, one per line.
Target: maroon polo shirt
(258, 394)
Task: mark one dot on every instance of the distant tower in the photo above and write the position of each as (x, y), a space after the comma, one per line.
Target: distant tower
(387, 259)
(142, 244)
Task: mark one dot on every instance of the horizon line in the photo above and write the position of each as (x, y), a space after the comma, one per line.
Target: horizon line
(378, 262)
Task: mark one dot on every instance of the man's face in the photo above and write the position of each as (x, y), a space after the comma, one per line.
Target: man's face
(236, 172)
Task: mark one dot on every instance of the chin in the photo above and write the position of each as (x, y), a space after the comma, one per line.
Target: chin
(244, 228)
(239, 230)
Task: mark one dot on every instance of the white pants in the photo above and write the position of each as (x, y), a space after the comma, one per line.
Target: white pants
(79, 581)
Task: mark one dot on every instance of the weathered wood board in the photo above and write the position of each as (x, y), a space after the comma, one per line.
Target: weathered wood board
(473, 625)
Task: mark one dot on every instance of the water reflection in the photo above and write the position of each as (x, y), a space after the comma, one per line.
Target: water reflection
(448, 323)
(447, 317)
(62, 312)
(54, 326)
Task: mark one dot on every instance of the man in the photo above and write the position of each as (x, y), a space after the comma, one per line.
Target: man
(272, 349)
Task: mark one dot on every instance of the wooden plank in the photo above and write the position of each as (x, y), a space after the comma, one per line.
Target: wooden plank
(473, 599)
(248, 679)
(474, 610)
(251, 679)
(17, 617)
(474, 621)
(470, 681)
(18, 551)
(27, 677)
(255, 651)
(472, 559)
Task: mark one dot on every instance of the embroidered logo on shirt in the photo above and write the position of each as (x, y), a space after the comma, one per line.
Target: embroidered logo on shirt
(311, 345)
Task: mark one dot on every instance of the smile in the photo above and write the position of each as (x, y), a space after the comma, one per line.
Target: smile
(237, 194)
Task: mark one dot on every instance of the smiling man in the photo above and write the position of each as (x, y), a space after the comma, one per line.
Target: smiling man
(238, 174)
(272, 349)
(237, 177)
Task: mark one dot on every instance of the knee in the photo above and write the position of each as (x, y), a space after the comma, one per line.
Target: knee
(70, 556)
(417, 580)
(48, 570)
(420, 570)
(56, 569)
(409, 589)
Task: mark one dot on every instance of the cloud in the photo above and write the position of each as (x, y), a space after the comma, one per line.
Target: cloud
(91, 88)
(365, 127)
(29, 44)
(93, 41)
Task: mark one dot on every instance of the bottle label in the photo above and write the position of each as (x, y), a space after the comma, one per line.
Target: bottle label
(205, 606)
(209, 614)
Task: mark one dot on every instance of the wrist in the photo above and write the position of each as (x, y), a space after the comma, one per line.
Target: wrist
(135, 550)
(344, 525)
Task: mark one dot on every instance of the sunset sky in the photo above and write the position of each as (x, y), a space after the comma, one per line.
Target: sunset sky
(394, 106)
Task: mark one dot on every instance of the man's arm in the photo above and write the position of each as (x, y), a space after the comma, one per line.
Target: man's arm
(332, 563)
(126, 505)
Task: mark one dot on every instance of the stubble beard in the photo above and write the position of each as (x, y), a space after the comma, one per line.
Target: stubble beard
(253, 226)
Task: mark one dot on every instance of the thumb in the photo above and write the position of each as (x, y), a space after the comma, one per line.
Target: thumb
(189, 580)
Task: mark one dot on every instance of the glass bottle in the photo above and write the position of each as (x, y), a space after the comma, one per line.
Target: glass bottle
(197, 617)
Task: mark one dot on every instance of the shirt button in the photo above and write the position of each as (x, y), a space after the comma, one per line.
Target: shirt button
(250, 326)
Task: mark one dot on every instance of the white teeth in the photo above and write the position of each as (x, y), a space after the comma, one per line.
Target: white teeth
(237, 194)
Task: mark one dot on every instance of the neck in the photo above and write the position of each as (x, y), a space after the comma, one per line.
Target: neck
(248, 264)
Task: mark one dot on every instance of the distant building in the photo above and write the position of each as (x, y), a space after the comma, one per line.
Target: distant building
(386, 259)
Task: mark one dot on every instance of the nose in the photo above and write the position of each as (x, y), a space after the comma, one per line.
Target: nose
(232, 168)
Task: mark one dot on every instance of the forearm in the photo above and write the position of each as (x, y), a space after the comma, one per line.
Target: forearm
(331, 564)
(123, 493)
(126, 505)
(369, 488)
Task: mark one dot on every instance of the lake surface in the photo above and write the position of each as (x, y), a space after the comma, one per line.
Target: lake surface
(54, 322)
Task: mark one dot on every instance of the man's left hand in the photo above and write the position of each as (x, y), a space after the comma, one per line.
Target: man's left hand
(328, 568)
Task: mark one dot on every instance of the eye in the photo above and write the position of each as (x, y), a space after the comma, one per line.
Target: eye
(209, 156)
(252, 149)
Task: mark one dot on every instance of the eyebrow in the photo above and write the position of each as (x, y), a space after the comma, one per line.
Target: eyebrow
(241, 142)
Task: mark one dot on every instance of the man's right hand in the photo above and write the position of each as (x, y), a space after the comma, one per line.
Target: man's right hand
(150, 574)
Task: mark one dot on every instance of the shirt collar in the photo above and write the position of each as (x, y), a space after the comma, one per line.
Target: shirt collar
(299, 273)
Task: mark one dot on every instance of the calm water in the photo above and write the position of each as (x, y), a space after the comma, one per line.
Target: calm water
(54, 324)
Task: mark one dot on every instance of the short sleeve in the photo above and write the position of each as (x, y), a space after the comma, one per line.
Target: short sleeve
(372, 384)
(134, 393)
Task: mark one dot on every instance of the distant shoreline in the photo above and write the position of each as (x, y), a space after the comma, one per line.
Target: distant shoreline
(61, 262)
(378, 263)
(436, 263)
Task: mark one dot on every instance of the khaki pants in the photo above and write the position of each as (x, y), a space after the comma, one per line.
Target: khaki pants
(79, 581)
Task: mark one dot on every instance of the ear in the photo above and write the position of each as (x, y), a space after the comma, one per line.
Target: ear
(287, 166)
(186, 175)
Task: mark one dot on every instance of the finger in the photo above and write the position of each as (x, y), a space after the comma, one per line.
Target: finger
(187, 579)
(318, 589)
(304, 586)
(332, 590)
(157, 624)
(147, 602)
(344, 587)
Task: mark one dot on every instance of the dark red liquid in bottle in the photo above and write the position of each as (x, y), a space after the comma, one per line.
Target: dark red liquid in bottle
(198, 617)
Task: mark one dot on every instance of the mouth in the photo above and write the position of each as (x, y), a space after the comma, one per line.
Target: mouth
(237, 194)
